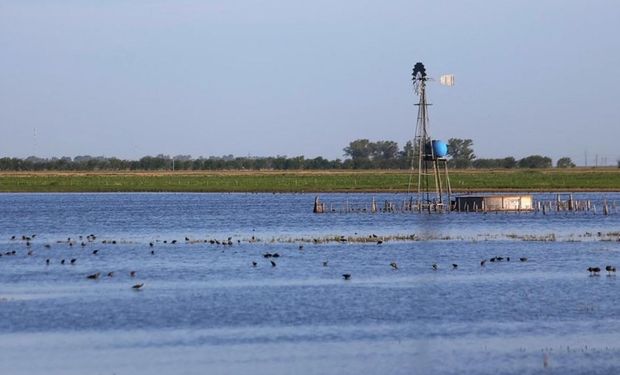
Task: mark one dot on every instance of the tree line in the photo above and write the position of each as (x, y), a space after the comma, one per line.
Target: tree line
(359, 154)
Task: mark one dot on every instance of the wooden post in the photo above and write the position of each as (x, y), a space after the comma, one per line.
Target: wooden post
(318, 207)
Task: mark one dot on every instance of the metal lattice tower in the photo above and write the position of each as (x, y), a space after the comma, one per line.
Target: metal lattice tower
(434, 188)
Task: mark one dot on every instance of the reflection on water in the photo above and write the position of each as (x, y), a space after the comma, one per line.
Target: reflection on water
(206, 309)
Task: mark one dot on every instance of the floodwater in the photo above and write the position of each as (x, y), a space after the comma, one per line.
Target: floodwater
(205, 309)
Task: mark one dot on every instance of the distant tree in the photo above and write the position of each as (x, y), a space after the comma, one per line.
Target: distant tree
(509, 162)
(460, 152)
(408, 157)
(359, 151)
(384, 150)
(565, 162)
(535, 161)
(487, 163)
(317, 163)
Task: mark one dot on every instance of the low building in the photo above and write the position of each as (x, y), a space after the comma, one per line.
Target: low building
(470, 203)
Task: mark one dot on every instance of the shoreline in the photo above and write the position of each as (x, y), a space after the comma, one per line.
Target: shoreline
(305, 181)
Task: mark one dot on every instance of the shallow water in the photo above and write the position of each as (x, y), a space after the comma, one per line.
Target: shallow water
(205, 309)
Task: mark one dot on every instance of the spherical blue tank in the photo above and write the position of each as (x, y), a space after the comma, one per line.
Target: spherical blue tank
(440, 148)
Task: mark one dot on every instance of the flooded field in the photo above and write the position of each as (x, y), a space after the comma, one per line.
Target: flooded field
(253, 283)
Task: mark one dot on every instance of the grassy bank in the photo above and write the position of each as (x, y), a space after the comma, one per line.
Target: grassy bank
(577, 179)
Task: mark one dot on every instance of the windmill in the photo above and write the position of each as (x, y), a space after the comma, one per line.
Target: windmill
(434, 190)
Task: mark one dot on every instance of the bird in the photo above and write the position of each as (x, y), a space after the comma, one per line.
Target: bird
(62, 261)
(137, 286)
(379, 242)
(12, 238)
(273, 264)
(301, 247)
(30, 253)
(110, 274)
(610, 269)
(186, 238)
(394, 266)
(47, 246)
(73, 261)
(254, 264)
(276, 255)
(94, 276)
(482, 262)
(454, 266)
(523, 259)
(346, 276)
(594, 270)
(507, 259)
(267, 255)
(434, 267)
(95, 252)
(173, 242)
(324, 263)
(132, 273)
(150, 244)
(47, 262)
(152, 252)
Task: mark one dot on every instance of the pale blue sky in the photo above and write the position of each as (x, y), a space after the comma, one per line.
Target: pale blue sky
(130, 78)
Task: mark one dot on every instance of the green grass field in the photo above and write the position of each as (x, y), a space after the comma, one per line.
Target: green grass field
(577, 179)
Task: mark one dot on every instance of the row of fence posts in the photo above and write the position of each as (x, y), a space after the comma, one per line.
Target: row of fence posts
(409, 205)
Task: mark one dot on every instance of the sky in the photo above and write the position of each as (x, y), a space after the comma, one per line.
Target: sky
(129, 78)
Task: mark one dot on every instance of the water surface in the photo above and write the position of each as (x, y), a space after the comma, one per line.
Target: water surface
(205, 309)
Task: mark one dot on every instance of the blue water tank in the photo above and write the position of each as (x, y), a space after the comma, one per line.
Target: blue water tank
(440, 148)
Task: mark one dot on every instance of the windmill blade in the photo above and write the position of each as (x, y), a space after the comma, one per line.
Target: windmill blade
(447, 80)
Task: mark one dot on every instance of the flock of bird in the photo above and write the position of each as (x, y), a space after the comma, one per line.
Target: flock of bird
(84, 241)
(70, 242)
(594, 271)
